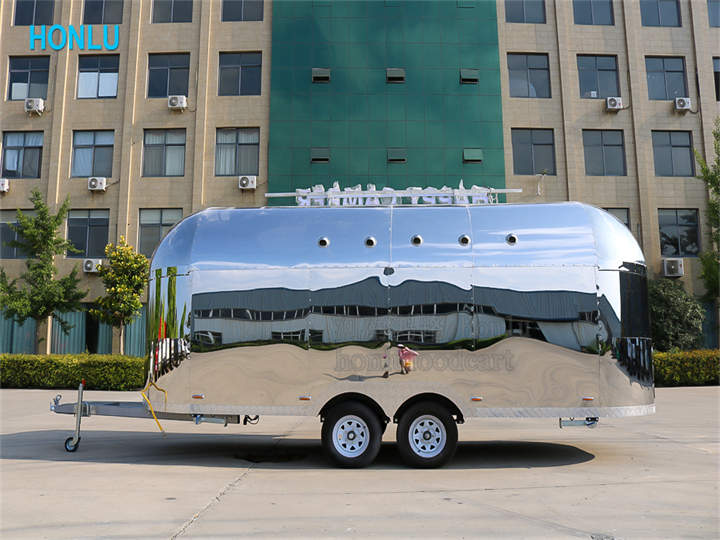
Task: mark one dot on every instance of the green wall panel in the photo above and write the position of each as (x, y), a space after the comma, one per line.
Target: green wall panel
(358, 115)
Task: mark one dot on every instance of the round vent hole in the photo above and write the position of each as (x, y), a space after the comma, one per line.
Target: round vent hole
(370, 241)
(416, 240)
(511, 239)
(464, 240)
(324, 242)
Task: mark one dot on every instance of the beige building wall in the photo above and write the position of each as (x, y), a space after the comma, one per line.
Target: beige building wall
(567, 114)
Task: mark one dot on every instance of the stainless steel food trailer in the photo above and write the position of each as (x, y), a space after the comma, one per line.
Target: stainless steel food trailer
(507, 310)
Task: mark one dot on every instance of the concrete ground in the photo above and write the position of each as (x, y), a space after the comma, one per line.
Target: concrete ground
(647, 477)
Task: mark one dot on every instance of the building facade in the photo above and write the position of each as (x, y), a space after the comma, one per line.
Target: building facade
(392, 93)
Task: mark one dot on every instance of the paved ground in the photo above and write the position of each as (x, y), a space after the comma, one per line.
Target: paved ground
(652, 477)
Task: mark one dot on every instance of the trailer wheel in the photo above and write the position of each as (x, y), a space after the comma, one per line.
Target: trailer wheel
(427, 435)
(69, 446)
(351, 435)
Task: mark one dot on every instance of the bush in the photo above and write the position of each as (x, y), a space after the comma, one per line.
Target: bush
(687, 368)
(100, 371)
(675, 317)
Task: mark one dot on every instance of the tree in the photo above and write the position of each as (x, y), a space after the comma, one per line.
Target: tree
(675, 317)
(124, 275)
(41, 295)
(710, 258)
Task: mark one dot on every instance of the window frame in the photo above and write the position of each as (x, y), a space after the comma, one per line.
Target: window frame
(553, 171)
(29, 70)
(681, 253)
(102, 17)
(603, 148)
(35, 22)
(592, 3)
(172, 12)
(665, 72)
(596, 71)
(658, 150)
(89, 227)
(164, 146)
(167, 69)
(528, 71)
(525, 16)
(611, 211)
(100, 69)
(237, 147)
(716, 76)
(713, 13)
(21, 155)
(93, 146)
(160, 225)
(242, 17)
(241, 67)
(17, 253)
(659, 13)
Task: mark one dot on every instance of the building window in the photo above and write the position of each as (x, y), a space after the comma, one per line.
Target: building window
(240, 74)
(168, 75)
(593, 12)
(7, 234)
(172, 11)
(525, 11)
(98, 76)
(92, 153)
(666, 77)
(660, 12)
(679, 236)
(237, 151)
(154, 225)
(598, 76)
(34, 12)
(604, 152)
(164, 152)
(103, 12)
(673, 153)
(533, 151)
(28, 77)
(88, 232)
(713, 13)
(622, 214)
(242, 10)
(22, 154)
(529, 75)
(716, 73)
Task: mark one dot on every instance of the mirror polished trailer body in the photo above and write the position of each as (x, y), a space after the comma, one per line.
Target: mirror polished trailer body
(528, 310)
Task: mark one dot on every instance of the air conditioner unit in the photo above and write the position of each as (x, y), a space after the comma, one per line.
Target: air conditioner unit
(613, 104)
(683, 104)
(247, 182)
(34, 105)
(97, 183)
(177, 103)
(90, 265)
(4, 185)
(673, 268)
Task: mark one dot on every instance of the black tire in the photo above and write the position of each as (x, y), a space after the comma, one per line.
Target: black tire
(439, 449)
(368, 435)
(69, 446)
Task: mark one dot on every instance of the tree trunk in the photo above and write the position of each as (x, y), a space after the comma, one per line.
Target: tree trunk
(43, 335)
(122, 339)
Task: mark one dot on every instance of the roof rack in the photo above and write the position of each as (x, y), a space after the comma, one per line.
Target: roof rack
(412, 196)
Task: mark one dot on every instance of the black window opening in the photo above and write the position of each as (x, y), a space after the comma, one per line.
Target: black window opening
(168, 75)
(529, 75)
(679, 234)
(660, 12)
(321, 75)
(597, 12)
(604, 152)
(242, 10)
(98, 76)
(622, 214)
(88, 232)
(172, 11)
(395, 75)
(469, 76)
(240, 74)
(164, 152)
(28, 77)
(92, 153)
(673, 153)
(103, 12)
(598, 76)
(22, 154)
(397, 155)
(8, 219)
(716, 75)
(320, 155)
(154, 225)
(34, 12)
(237, 151)
(666, 77)
(533, 151)
(525, 11)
